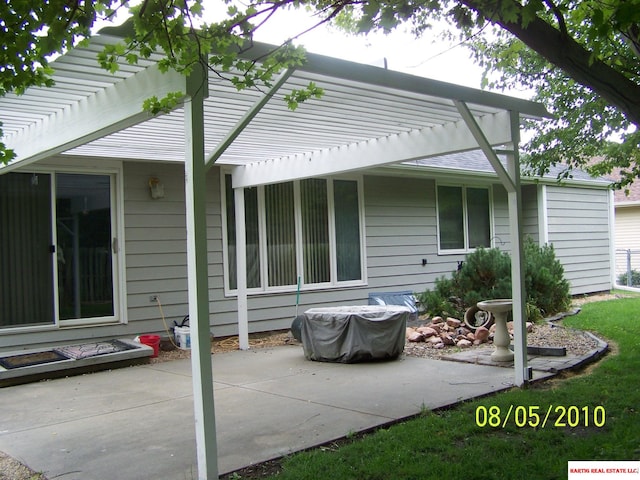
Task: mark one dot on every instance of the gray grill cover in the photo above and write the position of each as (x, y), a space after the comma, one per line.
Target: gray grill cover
(354, 334)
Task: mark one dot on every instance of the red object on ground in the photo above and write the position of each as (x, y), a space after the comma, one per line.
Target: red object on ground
(153, 341)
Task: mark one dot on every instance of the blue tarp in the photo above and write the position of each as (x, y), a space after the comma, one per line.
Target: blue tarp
(405, 298)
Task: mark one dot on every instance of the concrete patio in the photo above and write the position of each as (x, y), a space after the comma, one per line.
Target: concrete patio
(138, 423)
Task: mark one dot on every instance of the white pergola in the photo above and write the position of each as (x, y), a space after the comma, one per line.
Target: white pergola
(368, 117)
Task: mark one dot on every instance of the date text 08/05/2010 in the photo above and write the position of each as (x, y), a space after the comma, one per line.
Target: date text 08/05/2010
(535, 416)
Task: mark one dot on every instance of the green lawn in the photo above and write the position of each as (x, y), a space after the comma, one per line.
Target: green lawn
(601, 415)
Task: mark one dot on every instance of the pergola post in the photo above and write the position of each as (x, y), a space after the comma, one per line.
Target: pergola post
(241, 270)
(518, 292)
(510, 179)
(198, 276)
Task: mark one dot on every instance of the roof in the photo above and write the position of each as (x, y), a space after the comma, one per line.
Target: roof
(629, 195)
(93, 113)
(475, 161)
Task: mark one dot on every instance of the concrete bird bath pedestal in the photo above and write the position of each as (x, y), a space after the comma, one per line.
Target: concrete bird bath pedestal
(499, 308)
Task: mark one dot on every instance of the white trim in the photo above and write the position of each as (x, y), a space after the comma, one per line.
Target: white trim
(363, 232)
(112, 109)
(297, 220)
(114, 170)
(333, 249)
(612, 238)
(465, 217)
(115, 178)
(54, 241)
(417, 144)
(265, 289)
(626, 204)
(241, 269)
(225, 231)
(543, 215)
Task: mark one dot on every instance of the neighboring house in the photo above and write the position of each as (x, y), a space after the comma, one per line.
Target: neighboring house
(627, 231)
(364, 190)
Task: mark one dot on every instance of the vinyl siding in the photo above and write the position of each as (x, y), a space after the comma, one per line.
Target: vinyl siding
(530, 223)
(501, 236)
(627, 238)
(578, 226)
(400, 228)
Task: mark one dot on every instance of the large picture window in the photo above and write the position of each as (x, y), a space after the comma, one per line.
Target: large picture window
(309, 229)
(464, 218)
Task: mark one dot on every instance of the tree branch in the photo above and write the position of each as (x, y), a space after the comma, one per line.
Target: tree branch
(567, 54)
(558, 14)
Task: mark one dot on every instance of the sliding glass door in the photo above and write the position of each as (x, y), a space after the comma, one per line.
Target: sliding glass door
(57, 243)
(83, 244)
(26, 267)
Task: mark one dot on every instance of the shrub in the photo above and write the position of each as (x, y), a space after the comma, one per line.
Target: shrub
(635, 278)
(486, 274)
(546, 286)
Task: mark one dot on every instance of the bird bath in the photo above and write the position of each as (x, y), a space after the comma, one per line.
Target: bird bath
(499, 308)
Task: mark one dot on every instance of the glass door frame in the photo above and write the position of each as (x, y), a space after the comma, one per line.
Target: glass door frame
(114, 171)
(113, 207)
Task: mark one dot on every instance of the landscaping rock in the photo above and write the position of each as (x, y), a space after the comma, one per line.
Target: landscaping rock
(482, 334)
(463, 331)
(463, 344)
(427, 331)
(414, 336)
(453, 322)
(447, 339)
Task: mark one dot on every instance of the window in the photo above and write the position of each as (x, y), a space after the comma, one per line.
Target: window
(309, 229)
(58, 249)
(464, 218)
(314, 204)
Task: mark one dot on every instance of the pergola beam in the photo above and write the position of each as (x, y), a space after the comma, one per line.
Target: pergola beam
(110, 110)
(485, 145)
(414, 145)
(247, 118)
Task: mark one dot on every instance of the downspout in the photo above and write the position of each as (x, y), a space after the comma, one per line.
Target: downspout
(510, 179)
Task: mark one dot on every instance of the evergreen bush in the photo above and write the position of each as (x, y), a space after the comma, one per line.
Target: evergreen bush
(486, 274)
(635, 278)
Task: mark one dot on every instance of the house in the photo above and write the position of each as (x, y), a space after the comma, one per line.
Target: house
(383, 184)
(113, 221)
(627, 235)
(573, 216)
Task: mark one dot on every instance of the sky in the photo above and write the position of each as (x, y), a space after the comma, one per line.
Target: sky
(429, 56)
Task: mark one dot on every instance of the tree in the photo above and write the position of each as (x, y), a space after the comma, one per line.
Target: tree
(33, 32)
(581, 56)
(587, 126)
